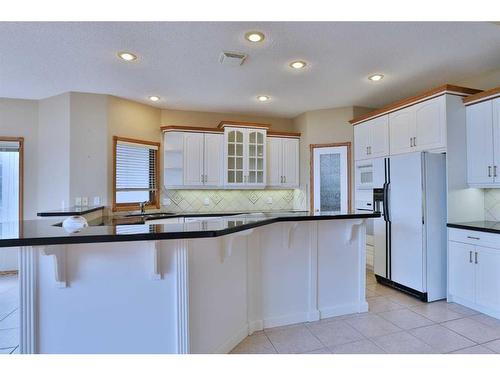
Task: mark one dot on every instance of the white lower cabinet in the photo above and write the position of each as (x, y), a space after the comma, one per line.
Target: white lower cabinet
(474, 270)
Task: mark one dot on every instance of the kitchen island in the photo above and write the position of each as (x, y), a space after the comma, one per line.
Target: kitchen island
(185, 285)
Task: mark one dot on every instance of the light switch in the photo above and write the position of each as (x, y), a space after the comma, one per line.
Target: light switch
(78, 201)
(269, 200)
(97, 201)
(206, 201)
(166, 201)
(85, 201)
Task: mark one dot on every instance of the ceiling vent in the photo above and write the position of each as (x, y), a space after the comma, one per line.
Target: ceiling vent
(232, 58)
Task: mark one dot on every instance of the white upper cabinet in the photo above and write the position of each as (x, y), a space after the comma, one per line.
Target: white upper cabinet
(282, 162)
(420, 127)
(371, 138)
(430, 124)
(245, 157)
(480, 144)
(193, 159)
(402, 131)
(496, 139)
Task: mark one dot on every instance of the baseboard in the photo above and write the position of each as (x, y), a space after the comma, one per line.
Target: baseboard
(256, 325)
(286, 319)
(231, 343)
(473, 306)
(350, 308)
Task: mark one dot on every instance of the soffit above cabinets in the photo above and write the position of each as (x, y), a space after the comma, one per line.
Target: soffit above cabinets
(400, 104)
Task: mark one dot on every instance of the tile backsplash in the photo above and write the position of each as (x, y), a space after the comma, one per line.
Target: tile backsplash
(233, 200)
(492, 204)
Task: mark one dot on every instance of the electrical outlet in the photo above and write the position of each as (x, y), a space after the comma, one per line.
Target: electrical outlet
(97, 201)
(85, 201)
(269, 200)
(78, 201)
(166, 201)
(206, 201)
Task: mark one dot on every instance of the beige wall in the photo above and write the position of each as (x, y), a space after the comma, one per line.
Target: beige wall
(212, 119)
(19, 118)
(322, 127)
(53, 152)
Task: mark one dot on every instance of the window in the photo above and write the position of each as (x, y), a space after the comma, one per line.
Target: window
(135, 174)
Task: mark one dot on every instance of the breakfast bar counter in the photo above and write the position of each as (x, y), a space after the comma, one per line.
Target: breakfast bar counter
(185, 284)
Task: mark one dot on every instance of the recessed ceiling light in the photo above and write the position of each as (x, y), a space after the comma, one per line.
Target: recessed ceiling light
(254, 36)
(127, 56)
(299, 64)
(376, 77)
(154, 98)
(263, 98)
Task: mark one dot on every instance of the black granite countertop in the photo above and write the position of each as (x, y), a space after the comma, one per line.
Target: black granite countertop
(71, 211)
(480, 226)
(133, 228)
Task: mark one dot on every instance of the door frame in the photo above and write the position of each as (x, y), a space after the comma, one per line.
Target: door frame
(21, 173)
(312, 147)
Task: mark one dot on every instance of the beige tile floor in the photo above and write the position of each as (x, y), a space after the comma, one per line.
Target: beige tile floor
(9, 318)
(396, 323)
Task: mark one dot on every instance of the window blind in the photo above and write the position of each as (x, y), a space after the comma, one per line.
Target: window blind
(135, 172)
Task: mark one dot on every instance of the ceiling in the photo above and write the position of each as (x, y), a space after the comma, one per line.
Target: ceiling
(178, 61)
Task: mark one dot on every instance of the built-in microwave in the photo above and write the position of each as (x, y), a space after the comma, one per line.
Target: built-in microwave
(364, 175)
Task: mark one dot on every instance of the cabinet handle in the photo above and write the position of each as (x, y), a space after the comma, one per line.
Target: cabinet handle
(473, 238)
(411, 142)
(366, 150)
(370, 150)
(494, 171)
(281, 180)
(475, 258)
(414, 141)
(489, 170)
(284, 179)
(470, 256)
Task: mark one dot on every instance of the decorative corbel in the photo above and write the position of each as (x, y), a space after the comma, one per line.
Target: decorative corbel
(227, 243)
(58, 254)
(288, 229)
(351, 231)
(155, 250)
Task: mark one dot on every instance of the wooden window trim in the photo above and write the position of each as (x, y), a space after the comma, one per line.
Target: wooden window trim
(311, 171)
(135, 206)
(21, 173)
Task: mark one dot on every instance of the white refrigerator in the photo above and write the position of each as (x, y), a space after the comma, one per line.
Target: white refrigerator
(410, 236)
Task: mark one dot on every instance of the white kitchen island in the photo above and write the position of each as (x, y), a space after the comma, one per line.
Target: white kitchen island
(161, 288)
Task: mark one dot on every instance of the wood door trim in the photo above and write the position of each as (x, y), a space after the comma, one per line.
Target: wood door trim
(403, 103)
(482, 96)
(21, 174)
(312, 147)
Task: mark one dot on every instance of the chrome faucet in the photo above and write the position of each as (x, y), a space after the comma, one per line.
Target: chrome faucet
(142, 206)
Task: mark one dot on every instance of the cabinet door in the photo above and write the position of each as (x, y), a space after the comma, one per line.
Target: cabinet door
(361, 140)
(430, 124)
(256, 157)
(496, 139)
(487, 277)
(290, 162)
(379, 137)
(214, 146)
(274, 161)
(193, 159)
(461, 270)
(234, 144)
(480, 143)
(401, 130)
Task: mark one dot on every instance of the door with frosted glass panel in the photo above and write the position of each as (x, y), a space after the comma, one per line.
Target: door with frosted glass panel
(330, 179)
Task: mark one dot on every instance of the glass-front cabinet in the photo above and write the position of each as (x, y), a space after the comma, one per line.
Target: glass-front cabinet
(245, 155)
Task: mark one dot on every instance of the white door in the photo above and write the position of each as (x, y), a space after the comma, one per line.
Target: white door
(193, 159)
(361, 141)
(480, 143)
(274, 161)
(331, 191)
(487, 262)
(430, 124)
(461, 270)
(402, 130)
(496, 139)
(379, 136)
(213, 159)
(290, 156)
(405, 214)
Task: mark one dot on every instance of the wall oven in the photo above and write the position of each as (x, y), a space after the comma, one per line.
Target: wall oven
(364, 175)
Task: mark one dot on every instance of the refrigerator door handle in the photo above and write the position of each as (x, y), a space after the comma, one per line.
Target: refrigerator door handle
(385, 202)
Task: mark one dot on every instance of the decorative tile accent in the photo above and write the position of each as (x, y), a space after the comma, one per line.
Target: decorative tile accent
(492, 204)
(231, 200)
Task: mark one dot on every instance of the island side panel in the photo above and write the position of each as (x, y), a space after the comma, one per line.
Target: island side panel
(111, 304)
(341, 267)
